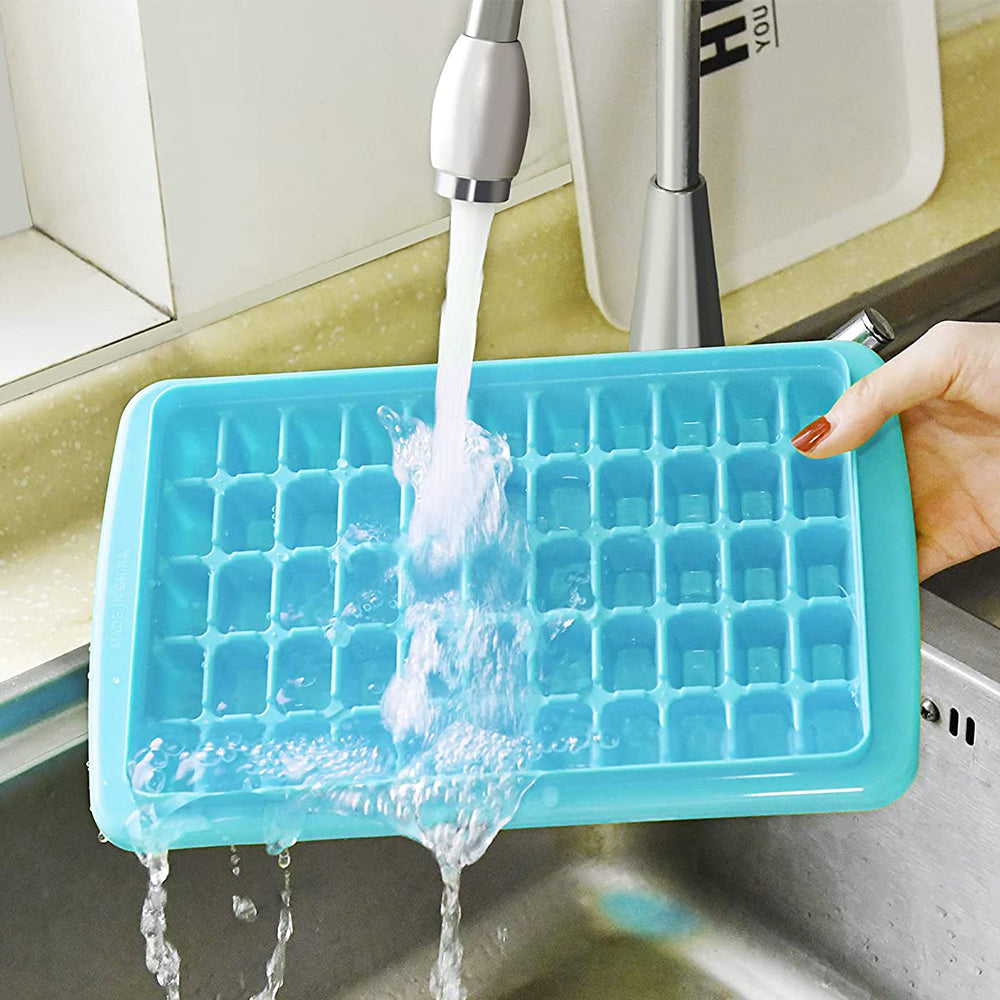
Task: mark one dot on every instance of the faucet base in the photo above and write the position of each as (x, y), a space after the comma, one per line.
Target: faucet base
(677, 287)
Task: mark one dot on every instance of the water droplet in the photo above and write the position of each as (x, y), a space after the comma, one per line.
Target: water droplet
(244, 909)
(284, 859)
(101, 839)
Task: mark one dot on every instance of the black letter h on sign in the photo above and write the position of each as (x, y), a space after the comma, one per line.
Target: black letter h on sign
(718, 35)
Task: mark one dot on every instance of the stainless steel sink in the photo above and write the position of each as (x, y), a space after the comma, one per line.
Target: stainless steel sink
(898, 903)
(974, 586)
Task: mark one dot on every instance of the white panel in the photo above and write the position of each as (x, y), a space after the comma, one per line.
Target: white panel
(823, 121)
(294, 133)
(13, 204)
(55, 306)
(86, 138)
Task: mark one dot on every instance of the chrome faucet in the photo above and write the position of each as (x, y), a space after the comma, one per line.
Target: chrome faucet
(479, 124)
(479, 120)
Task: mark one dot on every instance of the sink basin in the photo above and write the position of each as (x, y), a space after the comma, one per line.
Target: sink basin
(897, 903)
(549, 914)
(973, 586)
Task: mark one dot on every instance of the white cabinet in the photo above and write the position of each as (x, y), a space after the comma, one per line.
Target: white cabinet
(82, 114)
(210, 155)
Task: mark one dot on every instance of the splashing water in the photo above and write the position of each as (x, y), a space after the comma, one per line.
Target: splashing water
(276, 963)
(244, 909)
(454, 709)
(446, 977)
(460, 756)
(162, 959)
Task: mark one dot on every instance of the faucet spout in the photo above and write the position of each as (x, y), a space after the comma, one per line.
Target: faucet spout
(479, 119)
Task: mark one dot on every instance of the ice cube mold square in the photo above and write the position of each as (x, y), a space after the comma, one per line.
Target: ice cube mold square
(719, 626)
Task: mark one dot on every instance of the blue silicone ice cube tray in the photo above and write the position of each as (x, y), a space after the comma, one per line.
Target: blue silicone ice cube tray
(744, 636)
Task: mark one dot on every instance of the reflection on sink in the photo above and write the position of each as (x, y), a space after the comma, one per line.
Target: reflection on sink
(618, 926)
(622, 967)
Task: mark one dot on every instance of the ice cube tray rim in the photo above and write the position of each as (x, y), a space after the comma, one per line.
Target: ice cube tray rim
(556, 798)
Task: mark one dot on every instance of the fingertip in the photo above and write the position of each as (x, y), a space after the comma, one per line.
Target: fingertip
(812, 435)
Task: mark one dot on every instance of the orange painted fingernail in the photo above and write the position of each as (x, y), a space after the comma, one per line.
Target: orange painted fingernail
(811, 435)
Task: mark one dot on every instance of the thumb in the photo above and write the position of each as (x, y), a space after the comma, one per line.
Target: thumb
(921, 372)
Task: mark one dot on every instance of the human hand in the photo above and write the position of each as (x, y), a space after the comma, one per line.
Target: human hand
(946, 390)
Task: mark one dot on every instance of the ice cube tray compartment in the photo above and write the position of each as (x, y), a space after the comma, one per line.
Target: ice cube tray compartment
(696, 589)
(674, 561)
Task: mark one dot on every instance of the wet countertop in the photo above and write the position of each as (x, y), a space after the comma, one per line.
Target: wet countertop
(55, 445)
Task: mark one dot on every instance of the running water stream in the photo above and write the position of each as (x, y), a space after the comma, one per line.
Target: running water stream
(453, 709)
(444, 504)
(466, 776)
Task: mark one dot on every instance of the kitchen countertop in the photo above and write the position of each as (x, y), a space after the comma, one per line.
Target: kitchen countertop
(55, 445)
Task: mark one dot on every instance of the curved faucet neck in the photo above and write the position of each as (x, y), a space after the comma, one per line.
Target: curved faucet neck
(494, 20)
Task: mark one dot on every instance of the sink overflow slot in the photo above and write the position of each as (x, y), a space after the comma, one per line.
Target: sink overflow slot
(970, 726)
